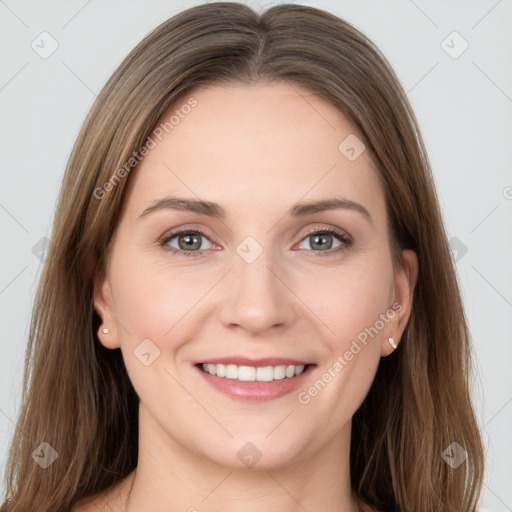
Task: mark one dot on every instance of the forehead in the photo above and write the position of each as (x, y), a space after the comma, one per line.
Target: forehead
(265, 143)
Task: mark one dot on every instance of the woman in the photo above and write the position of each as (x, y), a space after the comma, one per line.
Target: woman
(249, 300)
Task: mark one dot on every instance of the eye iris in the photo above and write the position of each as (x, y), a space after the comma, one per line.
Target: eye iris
(319, 239)
(189, 242)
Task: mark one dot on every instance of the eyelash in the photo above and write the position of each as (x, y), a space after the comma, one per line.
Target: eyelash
(346, 241)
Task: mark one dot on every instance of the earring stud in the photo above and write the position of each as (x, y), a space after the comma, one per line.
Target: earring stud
(392, 343)
(106, 331)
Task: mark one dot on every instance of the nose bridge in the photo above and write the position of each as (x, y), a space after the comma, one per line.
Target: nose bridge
(255, 298)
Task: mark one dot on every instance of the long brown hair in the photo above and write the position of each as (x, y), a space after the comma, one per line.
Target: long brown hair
(77, 396)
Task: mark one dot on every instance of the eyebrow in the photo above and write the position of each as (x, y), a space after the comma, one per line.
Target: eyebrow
(215, 210)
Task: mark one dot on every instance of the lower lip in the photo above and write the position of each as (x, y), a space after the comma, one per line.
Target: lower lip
(256, 391)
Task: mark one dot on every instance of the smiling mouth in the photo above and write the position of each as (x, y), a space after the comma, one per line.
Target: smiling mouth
(244, 373)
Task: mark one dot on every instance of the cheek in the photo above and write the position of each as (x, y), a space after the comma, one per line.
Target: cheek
(151, 300)
(154, 307)
(352, 305)
(349, 301)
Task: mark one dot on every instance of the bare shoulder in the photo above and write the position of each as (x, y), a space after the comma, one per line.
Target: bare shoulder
(106, 501)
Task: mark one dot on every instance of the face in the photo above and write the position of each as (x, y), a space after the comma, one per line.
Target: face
(257, 282)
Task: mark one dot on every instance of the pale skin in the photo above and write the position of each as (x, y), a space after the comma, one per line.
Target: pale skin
(257, 151)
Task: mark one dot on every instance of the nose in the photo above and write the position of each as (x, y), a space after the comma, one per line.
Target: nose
(256, 298)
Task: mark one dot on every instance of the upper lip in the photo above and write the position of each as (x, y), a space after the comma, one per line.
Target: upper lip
(245, 361)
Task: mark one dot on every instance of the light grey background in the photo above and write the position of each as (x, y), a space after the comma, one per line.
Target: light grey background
(463, 104)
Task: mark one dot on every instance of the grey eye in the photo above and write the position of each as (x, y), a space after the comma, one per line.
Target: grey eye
(187, 241)
(321, 241)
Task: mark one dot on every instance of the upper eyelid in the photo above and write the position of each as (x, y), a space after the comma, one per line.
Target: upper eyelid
(173, 233)
(329, 230)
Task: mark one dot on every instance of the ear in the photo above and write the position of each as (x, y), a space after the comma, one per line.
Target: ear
(405, 282)
(103, 304)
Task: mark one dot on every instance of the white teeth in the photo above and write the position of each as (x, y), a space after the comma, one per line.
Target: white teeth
(279, 372)
(231, 371)
(221, 370)
(247, 373)
(252, 373)
(265, 373)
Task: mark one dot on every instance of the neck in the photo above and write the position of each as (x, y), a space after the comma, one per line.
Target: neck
(170, 476)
